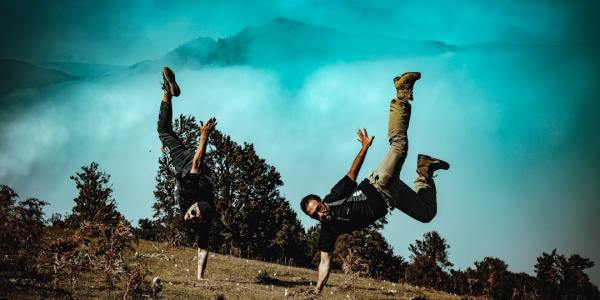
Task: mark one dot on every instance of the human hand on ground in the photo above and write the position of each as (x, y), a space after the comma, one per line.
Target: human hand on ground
(316, 291)
(364, 139)
(206, 129)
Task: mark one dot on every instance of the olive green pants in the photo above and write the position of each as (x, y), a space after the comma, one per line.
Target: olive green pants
(420, 203)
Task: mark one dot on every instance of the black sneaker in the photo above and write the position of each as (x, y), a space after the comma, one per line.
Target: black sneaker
(169, 83)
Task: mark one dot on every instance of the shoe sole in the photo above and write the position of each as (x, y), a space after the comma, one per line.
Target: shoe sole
(169, 77)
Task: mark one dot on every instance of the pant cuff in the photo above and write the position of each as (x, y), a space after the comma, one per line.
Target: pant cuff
(422, 182)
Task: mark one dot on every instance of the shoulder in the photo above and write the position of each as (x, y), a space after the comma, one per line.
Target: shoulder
(343, 188)
(346, 180)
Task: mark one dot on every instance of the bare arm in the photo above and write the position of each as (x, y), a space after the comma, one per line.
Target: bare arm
(324, 270)
(199, 156)
(366, 142)
(205, 131)
(202, 259)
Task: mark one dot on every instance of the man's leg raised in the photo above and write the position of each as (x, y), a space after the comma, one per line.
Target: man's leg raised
(179, 154)
(420, 203)
(388, 172)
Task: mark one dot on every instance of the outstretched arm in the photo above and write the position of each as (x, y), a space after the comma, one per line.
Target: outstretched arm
(324, 270)
(205, 131)
(365, 141)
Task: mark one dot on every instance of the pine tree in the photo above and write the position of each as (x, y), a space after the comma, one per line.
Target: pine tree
(8, 197)
(523, 286)
(146, 229)
(95, 197)
(168, 219)
(459, 282)
(559, 277)
(496, 279)
(312, 241)
(429, 261)
(22, 226)
(432, 246)
(29, 213)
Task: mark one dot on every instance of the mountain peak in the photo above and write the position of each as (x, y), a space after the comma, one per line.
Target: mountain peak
(285, 40)
(286, 21)
(287, 27)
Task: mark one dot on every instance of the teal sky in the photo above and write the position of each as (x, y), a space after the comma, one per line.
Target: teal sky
(515, 118)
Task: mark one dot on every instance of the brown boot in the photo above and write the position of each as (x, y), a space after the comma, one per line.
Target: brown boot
(169, 83)
(404, 84)
(426, 165)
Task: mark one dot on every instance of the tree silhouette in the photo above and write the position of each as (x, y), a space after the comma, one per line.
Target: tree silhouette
(432, 246)
(22, 226)
(366, 252)
(94, 198)
(459, 282)
(429, 260)
(562, 278)
(312, 241)
(495, 278)
(8, 197)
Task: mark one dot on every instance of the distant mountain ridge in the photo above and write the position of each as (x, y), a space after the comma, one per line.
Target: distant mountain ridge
(285, 41)
(82, 69)
(294, 47)
(289, 47)
(18, 74)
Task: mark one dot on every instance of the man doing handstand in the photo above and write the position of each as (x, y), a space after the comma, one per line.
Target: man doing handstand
(194, 188)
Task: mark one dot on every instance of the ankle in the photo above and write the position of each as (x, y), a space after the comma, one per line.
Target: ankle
(424, 172)
(167, 97)
(402, 94)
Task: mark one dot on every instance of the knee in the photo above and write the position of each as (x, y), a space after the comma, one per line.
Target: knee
(428, 217)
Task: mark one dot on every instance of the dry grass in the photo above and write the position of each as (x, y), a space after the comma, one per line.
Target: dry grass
(236, 278)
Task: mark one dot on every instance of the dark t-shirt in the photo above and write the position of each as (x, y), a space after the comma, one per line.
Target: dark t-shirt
(353, 207)
(195, 188)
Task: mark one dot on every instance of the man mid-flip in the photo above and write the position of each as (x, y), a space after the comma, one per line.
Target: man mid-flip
(194, 189)
(351, 206)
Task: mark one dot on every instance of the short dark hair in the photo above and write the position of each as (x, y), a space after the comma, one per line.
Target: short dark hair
(307, 198)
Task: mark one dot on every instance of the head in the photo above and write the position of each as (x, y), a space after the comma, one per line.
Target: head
(315, 208)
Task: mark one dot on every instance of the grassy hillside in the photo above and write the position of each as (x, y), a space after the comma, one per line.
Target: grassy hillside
(234, 278)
